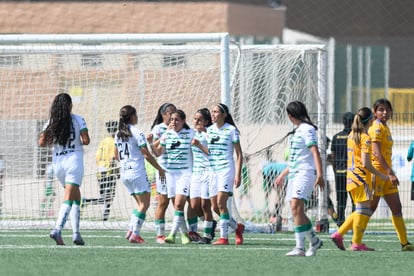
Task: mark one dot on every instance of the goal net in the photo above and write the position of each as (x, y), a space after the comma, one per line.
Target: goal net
(104, 72)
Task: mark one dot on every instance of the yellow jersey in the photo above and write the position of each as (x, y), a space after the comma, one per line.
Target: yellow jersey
(105, 155)
(357, 174)
(381, 133)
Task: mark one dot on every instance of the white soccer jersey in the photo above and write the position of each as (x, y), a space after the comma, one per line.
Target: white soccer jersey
(200, 159)
(300, 156)
(74, 143)
(157, 131)
(129, 152)
(221, 146)
(178, 149)
(68, 158)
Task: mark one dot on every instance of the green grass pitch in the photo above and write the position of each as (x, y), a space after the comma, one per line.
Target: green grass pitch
(32, 252)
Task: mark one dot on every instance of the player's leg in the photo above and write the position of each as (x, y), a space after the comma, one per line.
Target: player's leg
(162, 206)
(394, 202)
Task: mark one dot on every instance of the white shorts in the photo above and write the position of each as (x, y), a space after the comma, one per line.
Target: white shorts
(202, 185)
(69, 168)
(301, 185)
(225, 180)
(137, 184)
(178, 184)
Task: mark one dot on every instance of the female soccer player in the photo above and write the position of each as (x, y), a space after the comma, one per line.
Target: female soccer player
(202, 186)
(131, 148)
(158, 128)
(305, 172)
(359, 183)
(175, 143)
(67, 133)
(223, 139)
(382, 151)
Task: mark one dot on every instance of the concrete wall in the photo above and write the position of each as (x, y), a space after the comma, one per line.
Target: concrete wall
(140, 17)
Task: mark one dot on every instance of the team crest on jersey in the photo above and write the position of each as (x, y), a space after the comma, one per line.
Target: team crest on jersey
(214, 138)
(175, 144)
(184, 135)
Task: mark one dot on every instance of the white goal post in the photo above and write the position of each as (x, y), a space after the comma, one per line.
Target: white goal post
(103, 72)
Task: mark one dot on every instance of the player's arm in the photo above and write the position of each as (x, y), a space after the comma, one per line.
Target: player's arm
(280, 179)
(116, 154)
(154, 145)
(197, 143)
(157, 148)
(153, 162)
(42, 140)
(318, 165)
(239, 163)
(366, 162)
(376, 151)
(84, 136)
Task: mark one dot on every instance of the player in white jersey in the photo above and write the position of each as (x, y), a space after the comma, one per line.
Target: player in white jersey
(223, 139)
(158, 128)
(67, 133)
(305, 171)
(202, 186)
(131, 149)
(176, 144)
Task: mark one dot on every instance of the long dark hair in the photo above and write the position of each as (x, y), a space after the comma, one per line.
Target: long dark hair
(206, 116)
(161, 111)
(298, 110)
(181, 114)
(125, 115)
(229, 119)
(60, 122)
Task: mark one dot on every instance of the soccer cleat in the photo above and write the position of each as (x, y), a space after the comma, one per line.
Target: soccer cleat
(313, 247)
(338, 240)
(361, 247)
(185, 239)
(136, 239)
(170, 239)
(56, 235)
(77, 239)
(296, 252)
(160, 239)
(128, 234)
(221, 241)
(407, 247)
(194, 236)
(213, 230)
(204, 240)
(239, 234)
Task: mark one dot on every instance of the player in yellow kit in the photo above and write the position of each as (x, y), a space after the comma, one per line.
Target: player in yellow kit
(381, 159)
(359, 181)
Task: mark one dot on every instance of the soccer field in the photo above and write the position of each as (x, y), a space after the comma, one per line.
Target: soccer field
(32, 252)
